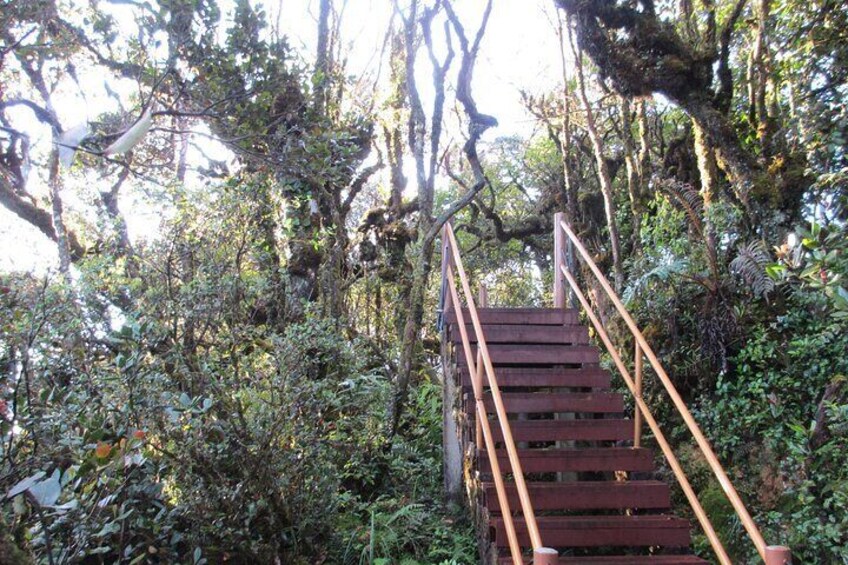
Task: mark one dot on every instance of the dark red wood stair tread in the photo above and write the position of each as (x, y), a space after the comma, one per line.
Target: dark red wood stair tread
(519, 316)
(557, 402)
(537, 354)
(588, 377)
(637, 559)
(585, 495)
(599, 531)
(529, 333)
(575, 459)
(622, 560)
(564, 430)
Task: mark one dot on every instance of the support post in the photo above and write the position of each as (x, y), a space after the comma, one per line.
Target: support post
(545, 556)
(559, 260)
(571, 267)
(637, 376)
(447, 263)
(451, 391)
(778, 555)
(483, 296)
(451, 440)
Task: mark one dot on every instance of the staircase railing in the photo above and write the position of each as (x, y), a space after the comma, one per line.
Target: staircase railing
(478, 368)
(772, 555)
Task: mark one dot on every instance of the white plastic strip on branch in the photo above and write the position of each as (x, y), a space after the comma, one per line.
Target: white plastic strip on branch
(69, 141)
(132, 136)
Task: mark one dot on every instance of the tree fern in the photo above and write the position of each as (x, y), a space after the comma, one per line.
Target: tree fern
(750, 263)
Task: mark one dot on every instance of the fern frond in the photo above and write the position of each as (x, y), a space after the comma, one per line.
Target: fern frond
(750, 263)
(685, 196)
(662, 272)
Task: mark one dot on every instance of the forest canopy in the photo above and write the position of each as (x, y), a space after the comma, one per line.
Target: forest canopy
(220, 241)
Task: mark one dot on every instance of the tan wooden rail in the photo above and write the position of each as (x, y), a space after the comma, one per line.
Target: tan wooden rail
(772, 555)
(477, 368)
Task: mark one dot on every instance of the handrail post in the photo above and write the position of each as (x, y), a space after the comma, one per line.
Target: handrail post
(559, 250)
(637, 414)
(545, 556)
(452, 442)
(778, 555)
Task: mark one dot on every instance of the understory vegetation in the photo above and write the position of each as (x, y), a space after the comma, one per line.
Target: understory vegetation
(269, 446)
(232, 353)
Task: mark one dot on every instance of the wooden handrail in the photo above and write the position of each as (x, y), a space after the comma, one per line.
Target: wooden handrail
(483, 298)
(454, 260)
(767, 553)
(483, 421)
(665, 447)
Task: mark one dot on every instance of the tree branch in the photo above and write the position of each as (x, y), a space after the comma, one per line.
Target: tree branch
(478, 122)
(37, 217)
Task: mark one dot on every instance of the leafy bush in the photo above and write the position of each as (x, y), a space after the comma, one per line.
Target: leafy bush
(120, 446)
(779, 420)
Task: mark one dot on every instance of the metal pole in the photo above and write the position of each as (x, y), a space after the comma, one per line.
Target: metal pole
(444, 295)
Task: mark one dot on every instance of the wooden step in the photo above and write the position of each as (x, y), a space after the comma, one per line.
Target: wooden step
(584, 495)
(635, 559)
(535, 354)
(553, 402)
(565, 430)
(598, 531)
(519, 316)
(584, 377)
(621, 560)
(574, 460)
(531, 333)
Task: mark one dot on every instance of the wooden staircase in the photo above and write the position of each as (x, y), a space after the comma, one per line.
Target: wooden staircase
(551, 445)
(595, 497)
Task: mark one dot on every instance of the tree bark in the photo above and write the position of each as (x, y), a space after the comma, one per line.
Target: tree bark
(633, 180)
(38, 217)
(644, 151)
(123, 246)
(428, 226)
(604, 178)
(54, 182)
(322, 59)
(565, 134)
(641, 54)
(709, 182)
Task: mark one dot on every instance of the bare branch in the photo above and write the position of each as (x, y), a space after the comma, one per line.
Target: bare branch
(43, 114)
(358, 183)
(478, 122)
